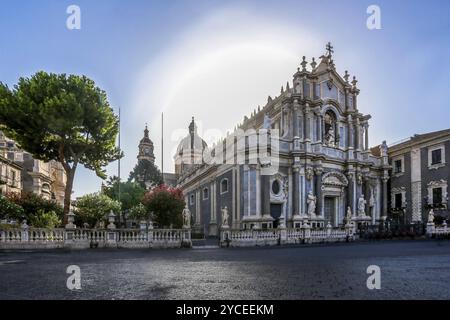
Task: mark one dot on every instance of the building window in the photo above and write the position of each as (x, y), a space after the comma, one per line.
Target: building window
(398, 200)
(437, 195)
(205, 194)
(398, 166)
(224, 186)
(436, 157)
(191, 199)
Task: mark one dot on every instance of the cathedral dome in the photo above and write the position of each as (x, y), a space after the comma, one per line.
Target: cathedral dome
(190, 150)
(192, 142)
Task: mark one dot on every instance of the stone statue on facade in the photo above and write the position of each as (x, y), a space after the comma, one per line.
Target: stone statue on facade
(361, 206)
(186, 217)
(431, 216)
(383, 149)
(267, 124)
(359, 178)
(225, 217)
(311, 201)
(309, 173)
(330, 137)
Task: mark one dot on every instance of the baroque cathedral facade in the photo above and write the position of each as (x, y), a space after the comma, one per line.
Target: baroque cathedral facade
(325, 169)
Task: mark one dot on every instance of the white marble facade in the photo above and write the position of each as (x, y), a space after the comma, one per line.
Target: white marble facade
(323, 151)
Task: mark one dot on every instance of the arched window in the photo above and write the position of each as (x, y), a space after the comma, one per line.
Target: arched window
(191, 199)
(205, 194)
(224, 186)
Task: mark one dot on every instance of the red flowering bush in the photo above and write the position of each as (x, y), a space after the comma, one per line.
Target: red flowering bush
(166, 204)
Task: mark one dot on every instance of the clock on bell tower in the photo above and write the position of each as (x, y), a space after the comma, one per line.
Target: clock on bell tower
(146, 148)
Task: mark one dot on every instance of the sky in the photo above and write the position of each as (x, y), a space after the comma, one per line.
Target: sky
(217, 60)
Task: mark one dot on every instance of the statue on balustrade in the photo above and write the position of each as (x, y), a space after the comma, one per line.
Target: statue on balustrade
(225, 217)
(186, 217)
(311, 201)
(431, 216)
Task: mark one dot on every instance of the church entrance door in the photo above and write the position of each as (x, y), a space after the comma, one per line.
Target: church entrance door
(330, 209)
(275, 212)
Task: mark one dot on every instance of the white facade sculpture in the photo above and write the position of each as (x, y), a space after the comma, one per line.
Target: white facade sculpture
(225, 217)
(311, 204)
(186, 217)
(431, 216)
(361, 206)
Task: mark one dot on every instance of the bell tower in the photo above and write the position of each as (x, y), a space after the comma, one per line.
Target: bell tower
(146, 148)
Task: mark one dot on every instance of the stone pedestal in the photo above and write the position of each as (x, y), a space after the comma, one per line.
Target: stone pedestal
(186, 241)
(306, 232)
(225, 236)
(329, 228)
(430, 229)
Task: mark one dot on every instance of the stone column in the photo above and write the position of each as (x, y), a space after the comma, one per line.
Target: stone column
(265, 195)
(366, 128)
(320, 127)
(385, 197)
(296, 191)
(357, 135)
(307, 123)
(367, 194)
(295, 117)
(319, 172)
(351, 193)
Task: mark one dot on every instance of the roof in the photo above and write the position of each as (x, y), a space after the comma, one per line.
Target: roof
(415, 139)
(418, 138)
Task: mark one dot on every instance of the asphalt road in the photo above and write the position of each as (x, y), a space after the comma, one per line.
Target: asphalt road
(409, 270)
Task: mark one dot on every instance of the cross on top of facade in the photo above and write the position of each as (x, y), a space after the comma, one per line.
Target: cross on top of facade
(329, 49)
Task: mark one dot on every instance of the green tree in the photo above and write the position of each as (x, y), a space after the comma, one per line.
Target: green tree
(95, 207)
(64, 118)
(166, 205)
(139, 213)
(129, 193)
(146, 172)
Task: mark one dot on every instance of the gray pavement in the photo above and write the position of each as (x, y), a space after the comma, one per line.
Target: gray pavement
(409, 270)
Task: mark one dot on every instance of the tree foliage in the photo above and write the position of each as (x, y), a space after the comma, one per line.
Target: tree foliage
(140, 213)
(146, 172)
(64, 118)
(166, 204)
(94, 208)
(43, 219)
(131, 193)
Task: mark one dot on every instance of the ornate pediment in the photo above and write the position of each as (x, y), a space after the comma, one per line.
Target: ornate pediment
(336, 179)
(437, 184)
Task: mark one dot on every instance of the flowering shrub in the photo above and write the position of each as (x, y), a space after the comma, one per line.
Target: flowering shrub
(32, 203)
(166, 204)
